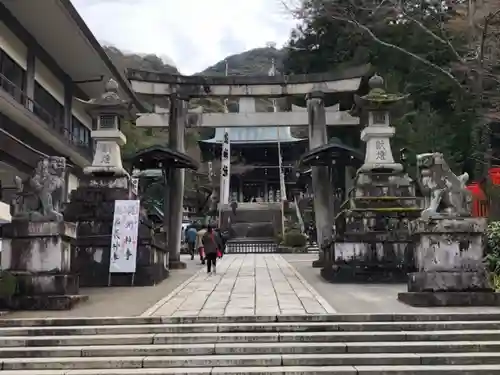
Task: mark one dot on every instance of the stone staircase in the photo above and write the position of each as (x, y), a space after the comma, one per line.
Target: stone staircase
(285, 345)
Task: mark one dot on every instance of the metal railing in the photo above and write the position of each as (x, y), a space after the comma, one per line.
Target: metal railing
(55, 124)
(248, 246)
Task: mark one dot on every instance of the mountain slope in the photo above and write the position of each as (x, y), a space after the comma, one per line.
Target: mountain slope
(126, 61)
(253, 62)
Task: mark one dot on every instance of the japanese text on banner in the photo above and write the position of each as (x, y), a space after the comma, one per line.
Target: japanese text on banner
(124, 236)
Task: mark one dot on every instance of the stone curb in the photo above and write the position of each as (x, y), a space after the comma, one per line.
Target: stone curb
(328, 308)
(150, 311)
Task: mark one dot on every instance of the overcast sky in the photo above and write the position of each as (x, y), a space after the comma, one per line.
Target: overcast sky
(194, 33)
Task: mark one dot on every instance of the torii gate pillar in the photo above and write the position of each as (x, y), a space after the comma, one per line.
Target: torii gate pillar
(321, 182)
(175, 181)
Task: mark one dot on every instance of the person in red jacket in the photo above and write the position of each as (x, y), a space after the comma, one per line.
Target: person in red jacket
(212, 246)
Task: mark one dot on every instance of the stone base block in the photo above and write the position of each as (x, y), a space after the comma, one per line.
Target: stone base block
(321, 261)
(345, 273)
(454, 281)
(43, 284)
(47, 302)
(37, 247)
(440, 299)
(293, 250)
(144, 276)
(177, 265)
(449, 244)
(318, 263)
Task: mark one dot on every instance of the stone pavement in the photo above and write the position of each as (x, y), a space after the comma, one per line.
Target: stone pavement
(365, 298)
(245, 284)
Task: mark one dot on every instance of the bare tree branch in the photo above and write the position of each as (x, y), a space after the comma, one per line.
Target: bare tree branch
(376, 39)
(435, 36)
(350, 19)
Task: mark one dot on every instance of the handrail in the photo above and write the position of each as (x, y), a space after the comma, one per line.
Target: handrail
(22, 98)
(299, 216)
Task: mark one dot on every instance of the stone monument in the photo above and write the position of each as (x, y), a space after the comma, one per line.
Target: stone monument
(449, 248)
(37, 244)
(371, 241)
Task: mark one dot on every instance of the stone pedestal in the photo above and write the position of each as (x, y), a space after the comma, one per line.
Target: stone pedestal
(38, 255)
(372, 241)
(92, 205)
(449, 261)
(107, 155)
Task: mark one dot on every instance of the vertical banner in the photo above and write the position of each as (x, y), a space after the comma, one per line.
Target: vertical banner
(124, 237)
(225, 169)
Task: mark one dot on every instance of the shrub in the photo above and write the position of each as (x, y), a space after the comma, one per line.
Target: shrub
(493, 247)
(8, 285)
(294, 238)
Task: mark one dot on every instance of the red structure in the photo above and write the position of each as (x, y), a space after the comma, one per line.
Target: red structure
(479, 200)
(494, 175)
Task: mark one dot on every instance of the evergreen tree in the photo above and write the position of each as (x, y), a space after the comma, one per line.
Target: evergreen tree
(439, 114)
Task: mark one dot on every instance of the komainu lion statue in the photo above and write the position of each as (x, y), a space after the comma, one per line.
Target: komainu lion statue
(39, 197)
(445, 193)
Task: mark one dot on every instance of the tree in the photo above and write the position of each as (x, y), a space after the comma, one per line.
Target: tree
(422, 49)
(454, 43)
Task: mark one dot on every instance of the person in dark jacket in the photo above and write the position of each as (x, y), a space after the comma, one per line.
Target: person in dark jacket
(211, 244)
(222, 241)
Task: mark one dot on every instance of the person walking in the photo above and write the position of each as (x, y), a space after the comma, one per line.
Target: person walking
(212, 246)
(191, 234)
(199, 244)
(222, 241)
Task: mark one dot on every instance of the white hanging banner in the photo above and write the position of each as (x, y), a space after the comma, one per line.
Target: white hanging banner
(124, 237)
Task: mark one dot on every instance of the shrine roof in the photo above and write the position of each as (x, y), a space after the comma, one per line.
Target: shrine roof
(254, 135)
(334, 149)
(157, 157)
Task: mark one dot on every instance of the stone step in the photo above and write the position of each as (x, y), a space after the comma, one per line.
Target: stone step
(251, 328)
(263, 360)
(402, 344)
(99, 321)
(213, 338)
(280, 370)
(251, 349)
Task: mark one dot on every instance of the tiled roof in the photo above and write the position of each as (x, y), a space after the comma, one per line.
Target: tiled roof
(254, 135)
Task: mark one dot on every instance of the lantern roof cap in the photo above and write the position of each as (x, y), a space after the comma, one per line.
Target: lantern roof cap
(109, 101)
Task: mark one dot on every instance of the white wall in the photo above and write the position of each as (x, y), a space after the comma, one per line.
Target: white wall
(81, 115)
(72, 183)
(54, 86)
(49, 81)
(13, 46)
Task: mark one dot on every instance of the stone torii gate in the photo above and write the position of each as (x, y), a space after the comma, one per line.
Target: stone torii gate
(180, 89)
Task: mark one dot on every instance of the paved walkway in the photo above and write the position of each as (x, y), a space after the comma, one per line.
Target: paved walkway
(365, 298)
(245, 284)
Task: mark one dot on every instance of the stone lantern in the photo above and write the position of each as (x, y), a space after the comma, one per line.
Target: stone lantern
(377, 103)
(110, 111)
(372, 241)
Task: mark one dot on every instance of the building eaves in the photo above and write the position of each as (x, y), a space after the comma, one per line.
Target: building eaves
(122, 81)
